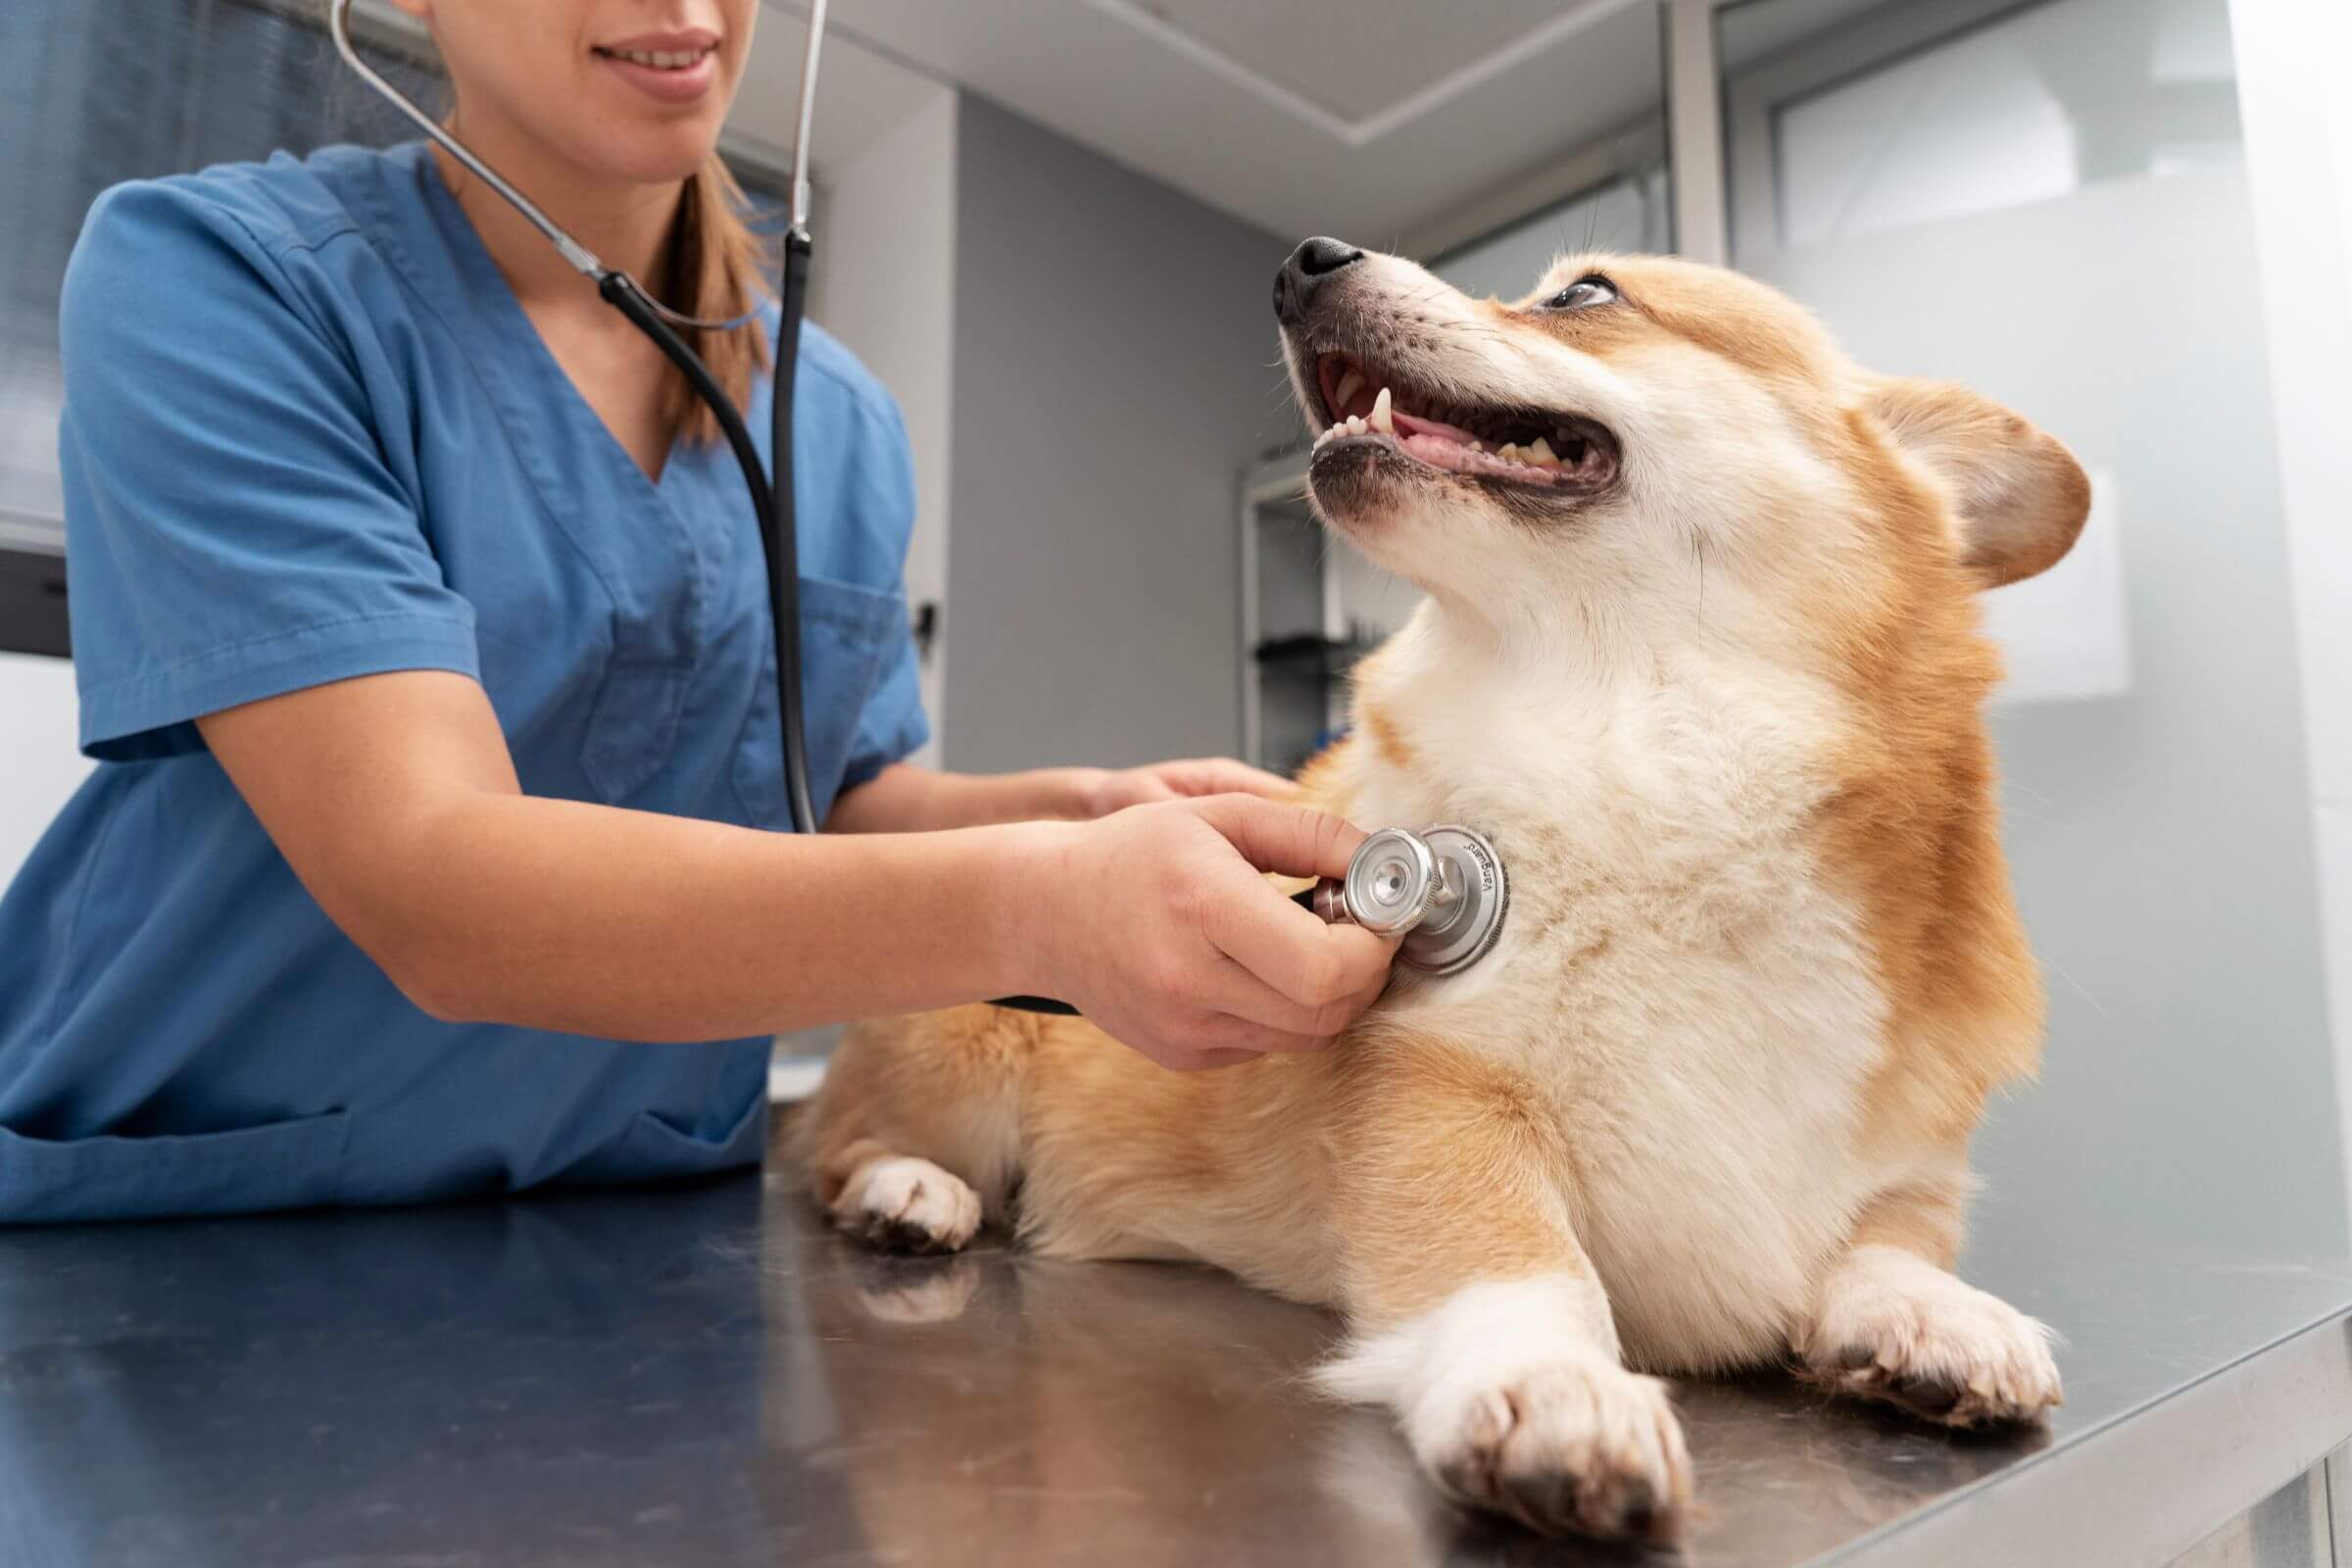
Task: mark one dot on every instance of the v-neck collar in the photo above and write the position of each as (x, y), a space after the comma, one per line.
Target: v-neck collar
(460, 282)
(498, 302)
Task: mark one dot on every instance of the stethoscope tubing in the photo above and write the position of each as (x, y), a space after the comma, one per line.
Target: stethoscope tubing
(771, 495)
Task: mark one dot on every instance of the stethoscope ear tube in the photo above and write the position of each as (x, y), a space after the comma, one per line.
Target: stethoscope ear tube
(781, 534)
(772, 501)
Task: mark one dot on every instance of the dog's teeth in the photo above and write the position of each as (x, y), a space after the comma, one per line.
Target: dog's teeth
(1541, 453)
(1508, 452)
(1355, 425)
(1349, 385)
(1478, 446)
(1382, 419)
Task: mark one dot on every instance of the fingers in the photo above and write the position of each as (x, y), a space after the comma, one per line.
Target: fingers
(1232, 990)
(1223, 775)
(1212, 1041)
(1313, 966)
(1291, 840)
(1228, 1033)
(1140, 787)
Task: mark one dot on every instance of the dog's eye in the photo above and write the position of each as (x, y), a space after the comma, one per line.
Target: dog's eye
(1583, 293)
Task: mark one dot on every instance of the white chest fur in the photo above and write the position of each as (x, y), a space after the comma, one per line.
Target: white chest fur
(1689, 995)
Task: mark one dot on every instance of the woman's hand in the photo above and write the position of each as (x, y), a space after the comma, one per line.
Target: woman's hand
(904, 798)
(1157, 924)
(1112, 790)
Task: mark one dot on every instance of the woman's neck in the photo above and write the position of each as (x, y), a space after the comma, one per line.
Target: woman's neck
(627, 224)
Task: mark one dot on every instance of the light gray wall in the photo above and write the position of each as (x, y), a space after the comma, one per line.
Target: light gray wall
(1114, 364)
(1628, 213)
(885, 287)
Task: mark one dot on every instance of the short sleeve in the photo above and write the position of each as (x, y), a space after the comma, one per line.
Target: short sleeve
(233, 528)
(879, 484)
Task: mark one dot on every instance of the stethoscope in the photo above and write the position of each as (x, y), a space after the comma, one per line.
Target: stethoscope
(1443, 892)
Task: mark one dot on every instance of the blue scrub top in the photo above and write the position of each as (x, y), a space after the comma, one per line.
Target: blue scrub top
(309, 434)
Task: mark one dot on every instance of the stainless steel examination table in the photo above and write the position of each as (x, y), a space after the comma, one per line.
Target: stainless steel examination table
(707, 1377)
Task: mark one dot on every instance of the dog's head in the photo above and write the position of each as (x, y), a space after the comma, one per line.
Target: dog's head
(1644, 438)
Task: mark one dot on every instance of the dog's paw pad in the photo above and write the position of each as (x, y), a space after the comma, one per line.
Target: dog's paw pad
(903, 1205)
(1923, 1341)
(1582, 1446)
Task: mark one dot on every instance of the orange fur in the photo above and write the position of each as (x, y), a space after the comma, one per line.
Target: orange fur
(1708, 1103)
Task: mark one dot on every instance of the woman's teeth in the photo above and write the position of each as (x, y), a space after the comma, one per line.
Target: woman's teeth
(661, 59)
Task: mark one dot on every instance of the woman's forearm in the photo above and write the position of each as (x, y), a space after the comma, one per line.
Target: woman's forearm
(556, 914)
(394, 799)
(904, 798)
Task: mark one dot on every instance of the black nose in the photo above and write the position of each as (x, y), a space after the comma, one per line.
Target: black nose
(1309, 265)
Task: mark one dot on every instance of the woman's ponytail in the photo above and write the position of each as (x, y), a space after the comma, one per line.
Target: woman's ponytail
(717, 269)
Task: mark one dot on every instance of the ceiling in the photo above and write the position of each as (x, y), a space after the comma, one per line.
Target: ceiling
(1299, 115)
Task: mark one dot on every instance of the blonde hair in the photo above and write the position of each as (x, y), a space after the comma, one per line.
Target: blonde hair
(716, 269)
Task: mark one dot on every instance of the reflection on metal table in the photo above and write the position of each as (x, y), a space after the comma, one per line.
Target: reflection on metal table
(708, 1377)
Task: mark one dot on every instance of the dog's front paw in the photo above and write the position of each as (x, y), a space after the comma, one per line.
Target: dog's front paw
(1895, 1328)
(1575, 1445)
(903, 1205)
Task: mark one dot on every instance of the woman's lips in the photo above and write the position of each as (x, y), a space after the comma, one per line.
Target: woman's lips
(669, 85)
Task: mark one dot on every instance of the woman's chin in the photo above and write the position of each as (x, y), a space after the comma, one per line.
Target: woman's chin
(654, 159)
(650, 147)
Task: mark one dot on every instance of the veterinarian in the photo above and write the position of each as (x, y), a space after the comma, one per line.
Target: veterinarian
(421, 622)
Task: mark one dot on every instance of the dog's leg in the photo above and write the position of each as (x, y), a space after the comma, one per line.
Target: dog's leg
(1890, 1321)
(913, 1138)
(1476, 1316)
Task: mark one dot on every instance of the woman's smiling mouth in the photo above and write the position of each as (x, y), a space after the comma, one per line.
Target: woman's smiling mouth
(673, 68)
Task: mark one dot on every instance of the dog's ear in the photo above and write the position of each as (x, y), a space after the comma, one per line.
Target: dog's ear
(2022, 497)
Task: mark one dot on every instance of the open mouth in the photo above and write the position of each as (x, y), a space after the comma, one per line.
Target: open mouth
(1515, 446)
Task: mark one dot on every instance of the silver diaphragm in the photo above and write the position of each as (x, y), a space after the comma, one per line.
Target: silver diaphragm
(1442, 890)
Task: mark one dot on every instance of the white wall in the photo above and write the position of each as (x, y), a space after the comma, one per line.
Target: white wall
(883, 280)
(39, 766)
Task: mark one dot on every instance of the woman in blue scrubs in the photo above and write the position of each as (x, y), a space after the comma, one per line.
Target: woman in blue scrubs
(421, 628)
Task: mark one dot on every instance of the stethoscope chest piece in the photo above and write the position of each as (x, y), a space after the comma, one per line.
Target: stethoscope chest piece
(1443, 890)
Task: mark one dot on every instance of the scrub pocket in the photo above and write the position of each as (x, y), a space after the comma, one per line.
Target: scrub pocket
(633, 727)
(654, 1151)
(847, 634)
(286, 1165)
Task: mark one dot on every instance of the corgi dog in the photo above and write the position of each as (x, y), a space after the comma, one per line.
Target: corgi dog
(1700, 654)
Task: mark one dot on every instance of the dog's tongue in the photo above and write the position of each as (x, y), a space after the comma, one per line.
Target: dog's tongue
(1414, 425)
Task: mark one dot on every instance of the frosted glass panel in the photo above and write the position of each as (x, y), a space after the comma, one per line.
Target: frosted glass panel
(2052, 208)
(2030, 108)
